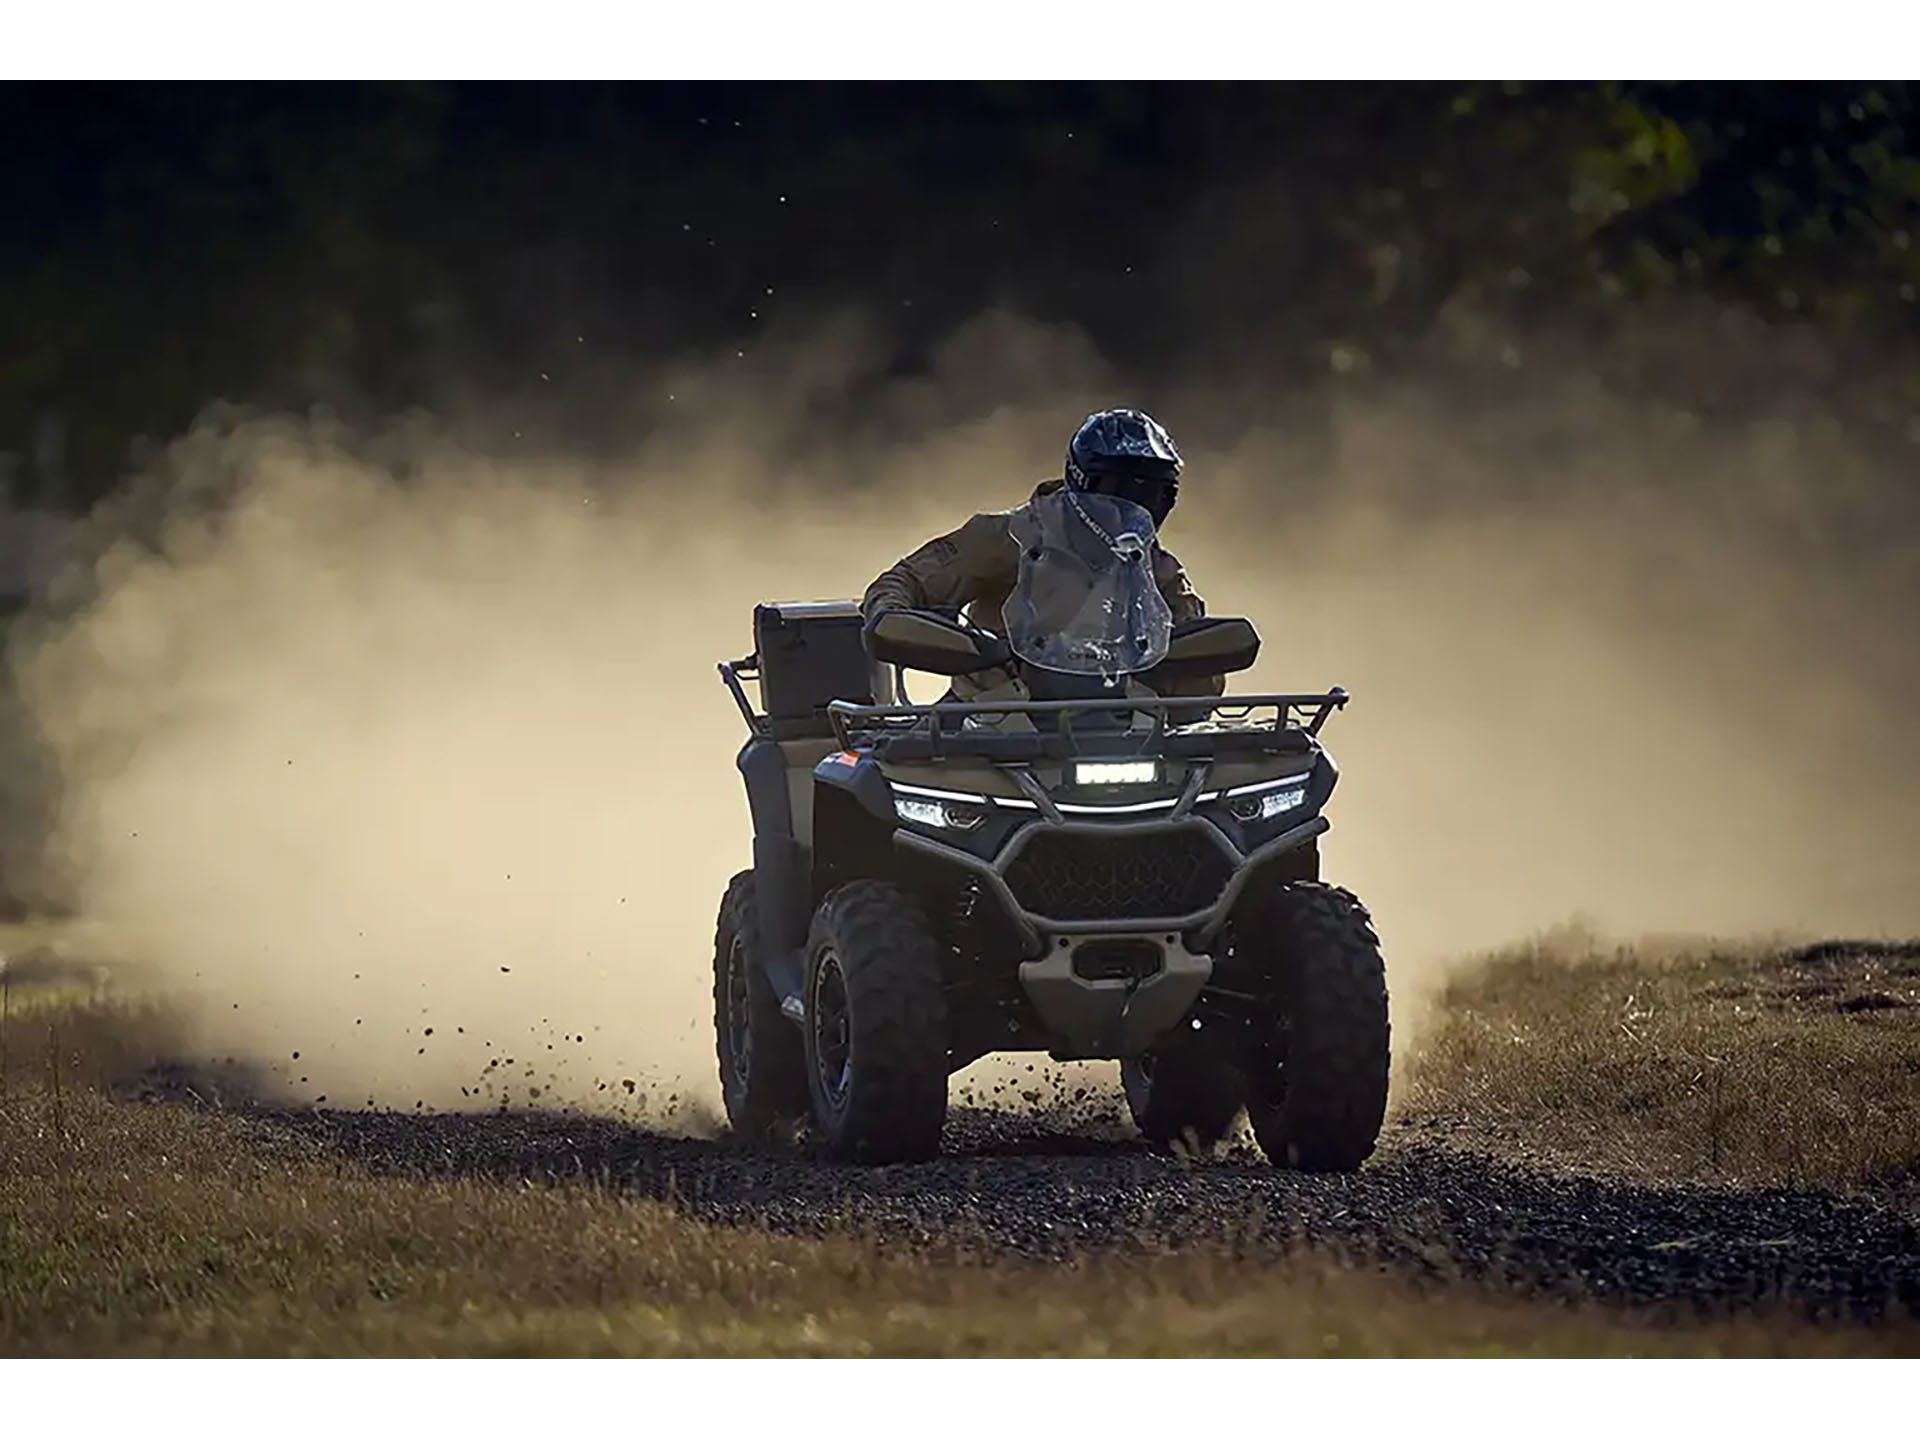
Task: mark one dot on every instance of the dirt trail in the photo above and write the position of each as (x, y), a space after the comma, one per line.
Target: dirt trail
(1061, 1182)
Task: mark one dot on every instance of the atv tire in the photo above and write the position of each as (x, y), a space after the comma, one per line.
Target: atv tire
(763, 1071)
(876, 1026)
(1318, 1092)
(1183, 1094)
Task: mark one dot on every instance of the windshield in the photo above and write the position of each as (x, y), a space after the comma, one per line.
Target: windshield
(1086, 602)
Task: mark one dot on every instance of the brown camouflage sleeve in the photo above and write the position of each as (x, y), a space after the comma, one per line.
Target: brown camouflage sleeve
(1185, 603)
(948, 572)
(1182, 598)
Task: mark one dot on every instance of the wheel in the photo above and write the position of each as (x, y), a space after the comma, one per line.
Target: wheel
(763, 1071)
(1317, 1093)
(1183, 1093)
(876, 1026)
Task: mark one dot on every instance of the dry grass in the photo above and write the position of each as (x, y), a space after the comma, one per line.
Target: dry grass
(1753, 1065)
(56, 1038)
(66, 1022)
(163, 1230)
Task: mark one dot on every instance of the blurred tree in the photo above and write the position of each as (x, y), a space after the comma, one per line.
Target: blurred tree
(163, 246)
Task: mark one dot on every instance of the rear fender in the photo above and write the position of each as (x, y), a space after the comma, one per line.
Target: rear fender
(779, 867)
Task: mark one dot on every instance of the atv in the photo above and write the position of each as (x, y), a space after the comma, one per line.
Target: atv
(1077, 858)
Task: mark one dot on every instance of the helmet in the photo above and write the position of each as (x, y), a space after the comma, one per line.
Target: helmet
(1127, 454)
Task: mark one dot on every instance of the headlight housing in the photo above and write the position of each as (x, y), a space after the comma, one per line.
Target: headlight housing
(1252, 804)
(939, 814)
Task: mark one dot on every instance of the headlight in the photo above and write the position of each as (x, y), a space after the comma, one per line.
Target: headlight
(1116, 772)
(1266, 802)
(939, 814)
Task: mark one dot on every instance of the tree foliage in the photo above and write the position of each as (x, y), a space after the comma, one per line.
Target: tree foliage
(166, 246)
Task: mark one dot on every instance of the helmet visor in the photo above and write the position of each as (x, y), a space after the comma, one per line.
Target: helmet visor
(1154, 494)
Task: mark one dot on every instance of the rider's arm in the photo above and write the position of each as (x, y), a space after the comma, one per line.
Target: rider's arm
(946, 573)
(1185, 603)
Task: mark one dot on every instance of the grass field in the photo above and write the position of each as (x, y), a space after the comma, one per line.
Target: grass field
(137, 1228)
(1797, 1067)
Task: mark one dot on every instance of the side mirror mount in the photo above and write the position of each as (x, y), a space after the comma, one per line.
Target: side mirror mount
(922, 640)
(1216, 645)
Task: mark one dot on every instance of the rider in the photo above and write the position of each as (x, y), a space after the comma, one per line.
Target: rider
(1122, 453)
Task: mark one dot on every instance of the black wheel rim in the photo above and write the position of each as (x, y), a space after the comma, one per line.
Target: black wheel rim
(832, 1032)
(739, 1028)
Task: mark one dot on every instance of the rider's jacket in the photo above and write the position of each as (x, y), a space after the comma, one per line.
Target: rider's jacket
(976, 567)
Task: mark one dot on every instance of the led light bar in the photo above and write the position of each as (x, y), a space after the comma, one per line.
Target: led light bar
(1116, 772)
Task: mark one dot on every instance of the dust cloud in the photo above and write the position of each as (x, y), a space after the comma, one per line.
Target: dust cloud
(406, 754)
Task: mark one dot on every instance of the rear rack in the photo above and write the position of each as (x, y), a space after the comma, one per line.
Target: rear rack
(732, 672)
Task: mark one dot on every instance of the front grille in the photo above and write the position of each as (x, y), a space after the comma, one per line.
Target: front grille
(1078, 875)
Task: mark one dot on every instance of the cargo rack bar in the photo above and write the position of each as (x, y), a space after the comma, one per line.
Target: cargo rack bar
(732, 672)
(941, 724)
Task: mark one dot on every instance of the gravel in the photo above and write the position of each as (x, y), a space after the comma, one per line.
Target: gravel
(1055, 1185)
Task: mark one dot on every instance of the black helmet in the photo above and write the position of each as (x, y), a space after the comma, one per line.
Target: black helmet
(1127, 454)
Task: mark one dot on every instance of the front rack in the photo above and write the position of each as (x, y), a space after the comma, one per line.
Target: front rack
(1203, 723)
(1182, 724)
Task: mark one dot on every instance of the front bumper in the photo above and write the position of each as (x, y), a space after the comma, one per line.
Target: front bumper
(1095, 1015)
(1035, 929)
